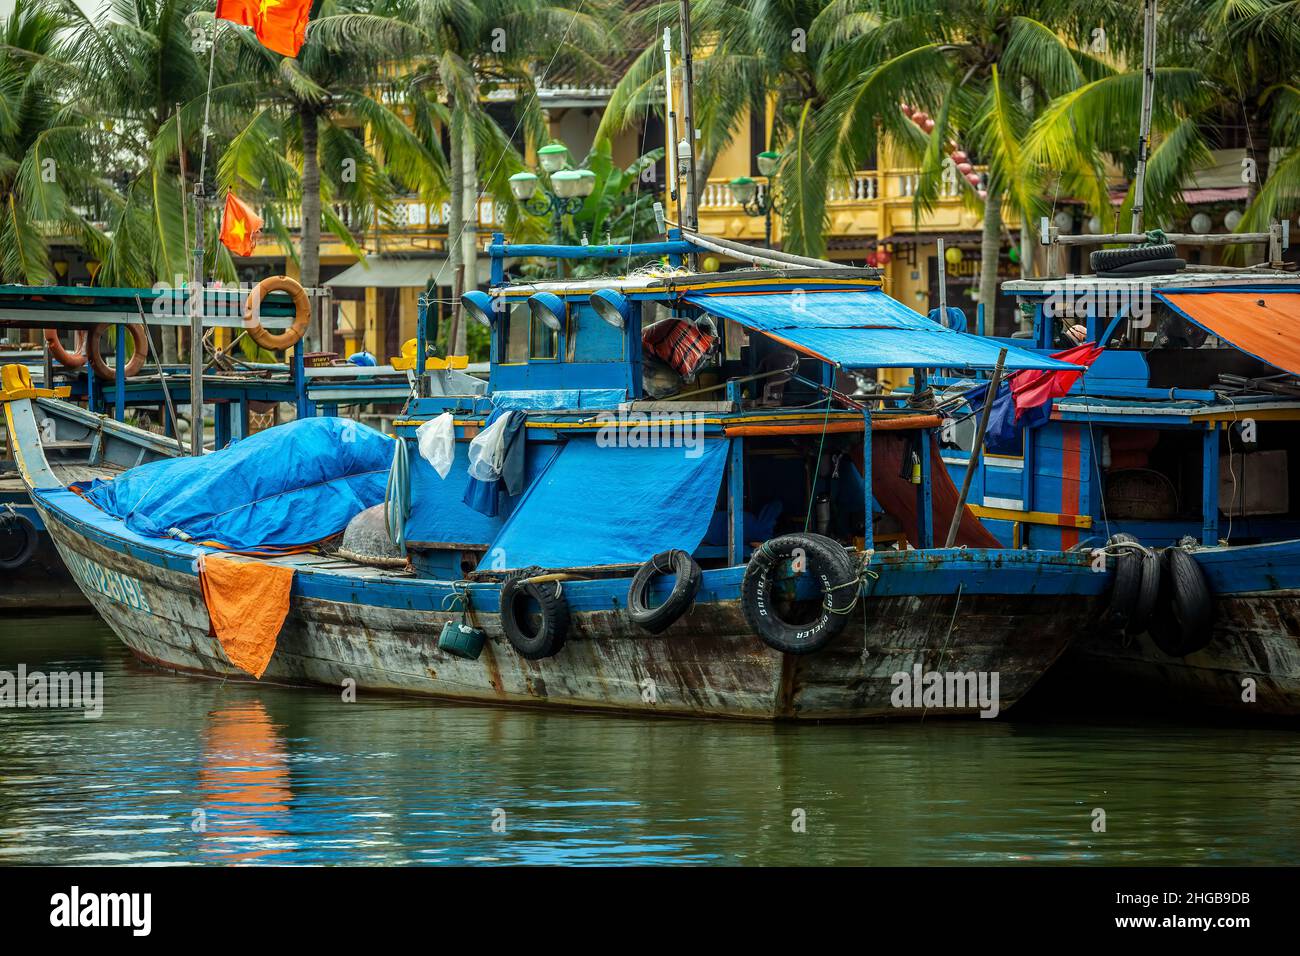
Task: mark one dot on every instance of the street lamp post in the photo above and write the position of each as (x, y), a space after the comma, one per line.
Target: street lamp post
(758, 202)
(568, 189)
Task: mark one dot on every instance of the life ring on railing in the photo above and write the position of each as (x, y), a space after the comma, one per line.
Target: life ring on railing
(27, 540)
(1184, 618)
(658, 619)
(133, 365)
(277, 341)
(74, 359)
(837, 580)
(545, 640)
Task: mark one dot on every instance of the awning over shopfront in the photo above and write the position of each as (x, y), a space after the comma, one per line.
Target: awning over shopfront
(387, 272)
(863, 329)
(629, 502)
(1263, 324)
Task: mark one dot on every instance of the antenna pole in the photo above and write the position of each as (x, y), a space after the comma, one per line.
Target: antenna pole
(1148, 92)
(690, 217)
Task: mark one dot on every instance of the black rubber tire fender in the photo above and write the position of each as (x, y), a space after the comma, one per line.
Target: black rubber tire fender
(1184, 619)
(658, 619)
(546, 640)
(29, 538)
(828, 563)
(1126, 585)
(1148, 594)
(1147, 267)
(1105, 259)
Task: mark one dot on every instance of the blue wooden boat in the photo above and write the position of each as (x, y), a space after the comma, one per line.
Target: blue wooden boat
(1175, 445)
(721, 530)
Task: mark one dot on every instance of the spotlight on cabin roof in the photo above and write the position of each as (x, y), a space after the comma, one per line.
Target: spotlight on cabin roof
(547, 309)
(479, 305)
(553, 157)
(611, 306)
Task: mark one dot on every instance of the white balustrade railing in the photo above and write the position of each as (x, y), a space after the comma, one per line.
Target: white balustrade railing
(862, 186)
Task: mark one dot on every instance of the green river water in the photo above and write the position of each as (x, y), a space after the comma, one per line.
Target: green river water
(181, 770)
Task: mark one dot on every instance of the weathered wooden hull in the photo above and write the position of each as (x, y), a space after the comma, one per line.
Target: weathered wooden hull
(1251, 667)
(708, 664)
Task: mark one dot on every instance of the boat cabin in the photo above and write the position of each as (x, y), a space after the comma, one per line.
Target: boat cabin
(706, 412)
(1186, 425)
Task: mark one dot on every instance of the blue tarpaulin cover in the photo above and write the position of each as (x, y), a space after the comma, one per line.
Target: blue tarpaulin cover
(863, 329)
(599, 505)
(439, 515)
(290, 485)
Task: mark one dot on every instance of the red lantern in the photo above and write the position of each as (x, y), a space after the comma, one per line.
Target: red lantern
(959, 156)
(883, 257)
(965, 168)
(871, 259)
(983, 194)
(973, 179)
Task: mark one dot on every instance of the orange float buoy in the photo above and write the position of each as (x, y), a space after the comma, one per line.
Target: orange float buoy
(302, 314)
(74, 359)
(133, 366)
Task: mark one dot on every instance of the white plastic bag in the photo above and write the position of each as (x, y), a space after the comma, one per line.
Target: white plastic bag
(487, 451)
(436, 439)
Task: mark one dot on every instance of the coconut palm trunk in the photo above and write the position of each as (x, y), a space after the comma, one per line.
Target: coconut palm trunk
(469, 221)
(990, 247)
(456, 224)
(309, 257)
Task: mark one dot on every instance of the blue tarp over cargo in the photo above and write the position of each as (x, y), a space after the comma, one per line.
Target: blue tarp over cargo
(290, 485)
(600, 505)
(863, 329)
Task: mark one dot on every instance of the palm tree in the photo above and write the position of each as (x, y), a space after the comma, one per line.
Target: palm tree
(749, 52)
(317, 110)
(137, 64)
(982, 70)
(48, 172)
(475, 48)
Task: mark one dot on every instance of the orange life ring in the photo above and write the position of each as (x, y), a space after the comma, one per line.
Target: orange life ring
(74, 359)
(277, 342)
(102, 368)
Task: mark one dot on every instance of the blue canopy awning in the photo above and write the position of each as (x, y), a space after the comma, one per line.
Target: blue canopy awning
(601, 505)
(863, 329)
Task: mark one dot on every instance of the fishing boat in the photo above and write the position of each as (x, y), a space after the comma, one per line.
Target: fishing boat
(681, 511)
(135, 383)
(1170, 458)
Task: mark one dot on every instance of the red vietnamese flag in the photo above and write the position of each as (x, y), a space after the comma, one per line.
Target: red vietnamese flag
(239, 226)
(280, 25)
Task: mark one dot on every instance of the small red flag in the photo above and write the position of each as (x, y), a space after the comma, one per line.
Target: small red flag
(280, 25)
(239, 226)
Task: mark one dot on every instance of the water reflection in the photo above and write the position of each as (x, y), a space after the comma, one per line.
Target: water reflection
(293, 776)
(244, 783)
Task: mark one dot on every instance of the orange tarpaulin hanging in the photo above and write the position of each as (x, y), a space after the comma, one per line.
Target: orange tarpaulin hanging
(280, 25)
(247, 603)
(239, 226)
(1263, 324)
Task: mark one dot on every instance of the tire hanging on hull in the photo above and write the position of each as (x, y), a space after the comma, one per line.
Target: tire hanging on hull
(837, 580)
(658, 619)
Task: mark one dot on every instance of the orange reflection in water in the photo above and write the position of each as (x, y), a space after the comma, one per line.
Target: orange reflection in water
(244, 780)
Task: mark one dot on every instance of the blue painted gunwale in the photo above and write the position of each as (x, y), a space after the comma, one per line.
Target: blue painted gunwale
(915, 573)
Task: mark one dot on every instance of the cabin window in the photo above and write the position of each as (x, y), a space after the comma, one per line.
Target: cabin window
(545, 341)
(514, 335)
